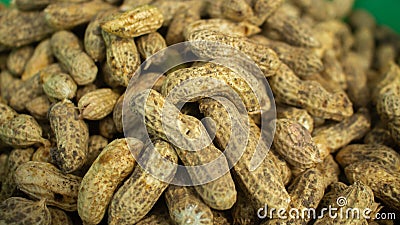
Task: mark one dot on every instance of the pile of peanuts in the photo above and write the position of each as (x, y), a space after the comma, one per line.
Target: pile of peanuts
(66, 65)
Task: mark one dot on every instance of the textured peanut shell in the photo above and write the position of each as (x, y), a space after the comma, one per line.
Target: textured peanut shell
(185, 205)
(133, 23)
(67, 50)
(97, 104)
(41, 180)
(22, 131)
(16, 158)
(380, 154)
(294, 143)
(135, 198)
(18, 58)
(72, 136)
(66, 15)
(17, 210)
(107, 172)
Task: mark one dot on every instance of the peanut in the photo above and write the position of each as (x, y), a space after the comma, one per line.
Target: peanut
(84, 90)
(212, 80)
(96, 144)
(224, 26)
(299, 115)
(117, 113)
(269, 192)
(18, 210)
(66, 15)
(333, 137)
(133, 23)
(244, 213)
(15, 31)
(310, 95)
(59, 86)
(304, 62)
(41, 180)
(294, 143)
(149, 45)
(329, 168)
(107, 172)
(18, 59)
(25, 92)
(135, 198)
(72, 136)
(39, 107)
(6, 113)
(185, 205)
(16, 158)
(263, 56)
(380, 154)
(67, 50)
(383, 182)
(97, 104)
(122, 57)
(42, 154)
(22, 131)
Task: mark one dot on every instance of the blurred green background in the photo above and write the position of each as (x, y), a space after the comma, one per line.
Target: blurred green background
(386, 11)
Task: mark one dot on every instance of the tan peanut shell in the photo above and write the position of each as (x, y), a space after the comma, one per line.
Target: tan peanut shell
(224, 26)
(333, 69)
(135, 22)
(38, 107)
(220, 193)
(67, 50)
(16, 32)
(181, 202)
(156, 217)
(221, 218)
(6, 113)
(93, 40)
(150, 44)
(380, 154)
(96, 144)
(292, 29)
(135, 198)
(383, 182)
(60, 86)
(8, 82)
(122, 56)
(330, 170)
(41, 180)
(236, 10)
(244, 213)
(262, 191)
(25, 92)
(18, 59)
(379, 135)
(263, 56)
(175, 33)
(72, 136)
(42, 154)
(304, 62)
(107, 172)
(357, 195)
(295, 144)
(263, 9)
(210, 79)
(333, 137)
(117, 113)
(97, 104)
(16, 158)
(299, 115)
(66, 15)
(17, 210)
(22, 131)
(310, 95)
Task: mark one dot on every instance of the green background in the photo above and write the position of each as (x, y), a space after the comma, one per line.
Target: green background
(386, 11)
